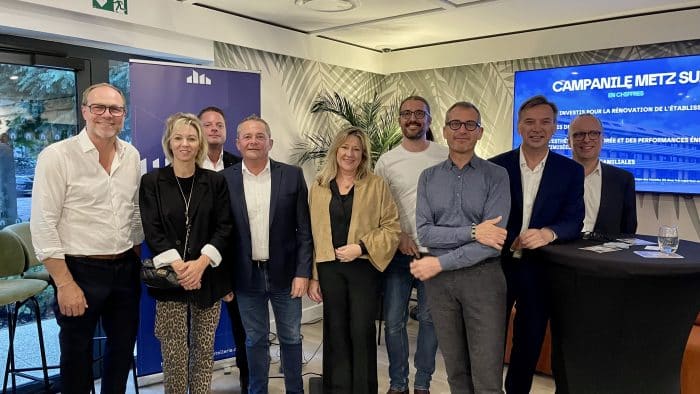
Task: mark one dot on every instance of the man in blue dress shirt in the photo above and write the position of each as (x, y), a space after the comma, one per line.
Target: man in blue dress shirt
(463, 279)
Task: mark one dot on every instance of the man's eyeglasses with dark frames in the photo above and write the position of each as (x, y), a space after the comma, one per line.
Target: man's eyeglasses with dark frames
(99, 109)
(470, 125)
(406, 114)
(581, 135)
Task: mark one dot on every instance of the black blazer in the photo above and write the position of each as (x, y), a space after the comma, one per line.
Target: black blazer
(559, 201)
(161, 202)
(618, 206)
(291, 245)
(230, 159)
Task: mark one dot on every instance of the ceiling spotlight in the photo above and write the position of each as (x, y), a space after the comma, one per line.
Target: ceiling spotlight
(326, 5)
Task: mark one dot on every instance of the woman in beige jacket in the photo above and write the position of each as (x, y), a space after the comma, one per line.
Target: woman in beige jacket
(355, 226)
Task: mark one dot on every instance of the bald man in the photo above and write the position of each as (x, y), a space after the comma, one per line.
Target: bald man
(609, 192)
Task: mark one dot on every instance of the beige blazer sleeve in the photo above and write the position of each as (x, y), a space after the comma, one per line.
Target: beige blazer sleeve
(381, 238)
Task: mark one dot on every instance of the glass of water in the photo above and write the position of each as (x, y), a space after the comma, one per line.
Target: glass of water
(668, 239)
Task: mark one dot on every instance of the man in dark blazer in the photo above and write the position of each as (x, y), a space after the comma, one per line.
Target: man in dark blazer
(609, 194)
(214, 127)
(546, 205)
(273, 251)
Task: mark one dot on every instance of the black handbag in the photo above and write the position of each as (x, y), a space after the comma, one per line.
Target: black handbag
(158, 278)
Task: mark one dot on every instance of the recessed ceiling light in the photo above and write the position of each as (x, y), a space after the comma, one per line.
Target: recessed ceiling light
(326, 5)
(14, 77)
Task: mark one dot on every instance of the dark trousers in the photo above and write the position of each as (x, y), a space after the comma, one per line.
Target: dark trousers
(527, 289)
(467, 309)
(112, 290)
(350, 295)
(239, 338)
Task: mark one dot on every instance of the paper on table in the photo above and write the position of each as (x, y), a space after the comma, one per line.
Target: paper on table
(635, 241)
(600, 249)
(649, 254)
(617, 245)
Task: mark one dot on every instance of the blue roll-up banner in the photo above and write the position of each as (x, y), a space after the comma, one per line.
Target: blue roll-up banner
(157, 91)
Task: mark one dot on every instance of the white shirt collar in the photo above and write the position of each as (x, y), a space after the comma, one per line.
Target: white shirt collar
(247, 171)
(539, 166)
(598, 170)
(86, 144)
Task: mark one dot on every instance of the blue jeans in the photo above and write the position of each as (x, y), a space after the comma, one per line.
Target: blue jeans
(256, 320)
(397, 291)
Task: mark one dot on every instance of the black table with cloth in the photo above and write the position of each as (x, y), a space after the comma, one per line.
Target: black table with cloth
(620, 322)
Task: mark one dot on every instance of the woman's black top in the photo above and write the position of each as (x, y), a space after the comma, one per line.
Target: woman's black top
(341, 211)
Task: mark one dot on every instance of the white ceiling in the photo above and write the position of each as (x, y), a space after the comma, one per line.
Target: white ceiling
(403, 24)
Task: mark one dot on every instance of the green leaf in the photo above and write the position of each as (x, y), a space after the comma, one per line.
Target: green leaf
(379, 121)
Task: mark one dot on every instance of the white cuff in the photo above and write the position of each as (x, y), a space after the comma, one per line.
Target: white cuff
(166, 258)
(213, 254)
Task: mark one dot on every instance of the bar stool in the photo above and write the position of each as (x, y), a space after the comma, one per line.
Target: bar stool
(14, 293)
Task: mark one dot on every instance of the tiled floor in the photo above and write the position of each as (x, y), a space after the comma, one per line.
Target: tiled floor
(226, 380)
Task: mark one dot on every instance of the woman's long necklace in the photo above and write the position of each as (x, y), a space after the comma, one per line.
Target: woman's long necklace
(188, 225)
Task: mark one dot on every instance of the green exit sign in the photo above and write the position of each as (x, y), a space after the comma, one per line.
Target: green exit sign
(116, 6)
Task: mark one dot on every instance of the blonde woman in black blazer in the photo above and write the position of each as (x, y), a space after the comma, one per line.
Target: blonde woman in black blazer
(186, 221)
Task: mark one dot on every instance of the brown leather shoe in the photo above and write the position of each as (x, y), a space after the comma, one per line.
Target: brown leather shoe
(392, 391)
(419, 391)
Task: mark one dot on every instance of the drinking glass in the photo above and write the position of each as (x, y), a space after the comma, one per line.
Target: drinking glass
(668, 239)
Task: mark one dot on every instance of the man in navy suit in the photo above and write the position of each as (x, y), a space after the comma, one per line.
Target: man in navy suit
(273, 252)
(214, 126)
(609, 195)
(546, 205)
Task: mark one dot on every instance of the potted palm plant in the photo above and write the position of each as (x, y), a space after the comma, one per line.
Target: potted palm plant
(378, 121)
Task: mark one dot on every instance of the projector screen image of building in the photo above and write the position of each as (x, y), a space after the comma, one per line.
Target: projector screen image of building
(650, 111)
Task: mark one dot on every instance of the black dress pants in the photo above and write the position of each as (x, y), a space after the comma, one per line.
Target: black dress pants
(112, 290)
(239, 339)
(528, 290)
(350, 296)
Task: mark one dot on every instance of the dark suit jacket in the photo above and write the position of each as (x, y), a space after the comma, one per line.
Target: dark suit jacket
(230, 159)
(618, 206)
(291, 247)
(559, 202)
(161, 202)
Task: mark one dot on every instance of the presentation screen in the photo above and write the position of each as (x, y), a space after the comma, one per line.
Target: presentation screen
(650, 111)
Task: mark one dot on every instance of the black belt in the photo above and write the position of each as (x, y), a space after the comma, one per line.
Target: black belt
(116, 256)
(260, 263)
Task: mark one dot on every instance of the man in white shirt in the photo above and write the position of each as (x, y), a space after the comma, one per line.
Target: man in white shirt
(214, 125)
(609, 192)
(401, 167)
(546, 205)
(86, 228)
(273, 252)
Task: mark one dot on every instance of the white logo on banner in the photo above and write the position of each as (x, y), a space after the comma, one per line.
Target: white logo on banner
(198, 79)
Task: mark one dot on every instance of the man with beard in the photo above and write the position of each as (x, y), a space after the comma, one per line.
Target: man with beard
(463, 279)
(400, 168)
(608, 192)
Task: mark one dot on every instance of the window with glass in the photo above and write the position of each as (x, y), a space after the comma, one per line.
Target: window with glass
(38, 106)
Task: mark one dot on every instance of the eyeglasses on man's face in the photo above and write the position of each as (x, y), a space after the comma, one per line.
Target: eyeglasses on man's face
(99, 109)
(406, 114)
(581, 135)
(470, 125)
